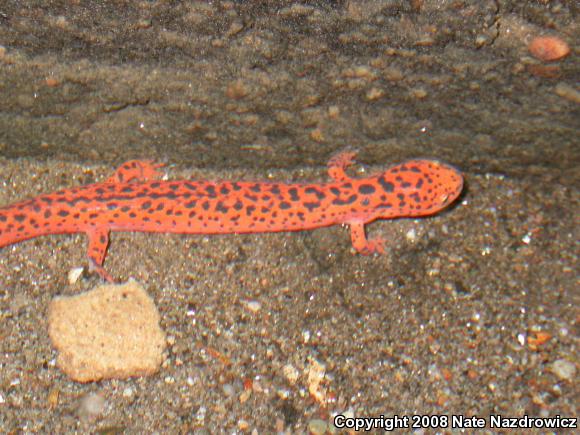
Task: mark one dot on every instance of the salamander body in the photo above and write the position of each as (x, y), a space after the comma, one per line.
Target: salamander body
(136, 199)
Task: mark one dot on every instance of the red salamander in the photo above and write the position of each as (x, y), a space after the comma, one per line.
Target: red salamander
(136, 199)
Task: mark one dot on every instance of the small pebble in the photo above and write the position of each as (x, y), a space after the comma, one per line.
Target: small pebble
(91, 406)
(290, 373)
(567, 92)
(74, 275)
(317, 427)
(548, 48)
(564, 369)
(253, 306)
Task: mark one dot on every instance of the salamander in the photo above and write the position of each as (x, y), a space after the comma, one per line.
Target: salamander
(135, 198)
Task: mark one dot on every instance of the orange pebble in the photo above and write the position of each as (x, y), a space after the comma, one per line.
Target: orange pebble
(51, 82)
(548, 48)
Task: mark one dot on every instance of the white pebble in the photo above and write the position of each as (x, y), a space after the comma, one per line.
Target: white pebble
(564, 369)
(92, 405)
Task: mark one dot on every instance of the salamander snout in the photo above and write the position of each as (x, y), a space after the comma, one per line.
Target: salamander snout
(420, 187)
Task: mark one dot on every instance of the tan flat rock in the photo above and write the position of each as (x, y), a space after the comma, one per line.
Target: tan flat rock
(109, 332)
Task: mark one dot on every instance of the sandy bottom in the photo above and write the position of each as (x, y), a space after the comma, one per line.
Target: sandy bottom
(472, 312)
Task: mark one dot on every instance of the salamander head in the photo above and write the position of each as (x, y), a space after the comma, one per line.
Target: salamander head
(418, 188)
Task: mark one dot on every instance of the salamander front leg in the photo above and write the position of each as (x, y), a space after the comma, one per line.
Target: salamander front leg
(338, 163)
(136, 171)
(363, 245)
(96, 251)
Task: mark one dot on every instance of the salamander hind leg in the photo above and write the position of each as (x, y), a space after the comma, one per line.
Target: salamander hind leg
(363, 245)
(96, 251)
(136, 171)
(338, 163)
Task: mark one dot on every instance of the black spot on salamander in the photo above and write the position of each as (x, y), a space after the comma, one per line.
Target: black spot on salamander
(366, 189)
(155, 185)
(419, 183)
(220, 207)
(365, 202)
(415, 169)
(19, 217)
(189, 185)
(116, 215)
(352, 198)
(63, 213)
(169, 212)
(285, 205)
(386, 185)
(165, 195)
(93, 215)
(275, 189)
(235, 218)
(250, 209)
(300, 215)
(211, 191)
(313, 190)
(100, 191)
(127, 189)
(335, 191)
(146, 205)
(111, 206)
(238, 205)
(205, 205)
(252, 198)
(160, 206)
(173, 186)
(236, 186)
(141, 194)
(47, 214)
(415, 197)
(401, 196)
(293, 194)
(36, 208)
(405, 184)
(46, 199)
(191, 214)
(146, 219)
(403, 168)
(133, 215)
(398, 178)
(102, 238)
(310, 206)
(190, 204)
(266, 197)
(224, 190)
(3, 218)
(265, 210)
(256, 188)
